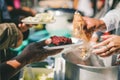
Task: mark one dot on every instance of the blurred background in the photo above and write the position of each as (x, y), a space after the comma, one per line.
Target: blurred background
(63, 12)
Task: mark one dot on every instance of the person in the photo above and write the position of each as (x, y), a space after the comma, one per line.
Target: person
(111, 21)
(16, 10)
(12, 33)
(11, 36)
(32, 53)
(80, 6)
(100, 8)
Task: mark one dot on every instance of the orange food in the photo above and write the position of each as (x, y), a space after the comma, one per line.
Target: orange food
(78, 24)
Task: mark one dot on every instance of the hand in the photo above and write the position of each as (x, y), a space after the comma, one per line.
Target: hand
(110, 45)
(31, 11)
(35, 52)
(94, 24)
(24, 27)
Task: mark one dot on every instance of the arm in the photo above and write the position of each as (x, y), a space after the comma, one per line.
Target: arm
(112, 19)
(109, 22)
(75, 4)
(32, 53)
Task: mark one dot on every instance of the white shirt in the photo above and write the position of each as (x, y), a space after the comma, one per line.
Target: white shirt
(85, 7)
(112, 20)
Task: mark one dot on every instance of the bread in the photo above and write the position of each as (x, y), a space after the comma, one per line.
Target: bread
(78, 24)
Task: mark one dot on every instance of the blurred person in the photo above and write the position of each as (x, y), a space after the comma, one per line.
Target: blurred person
(13, 32)
(103, 6)
(16, 10)
(84, 6)
(11, 36)
(100, 4)
(100, 10)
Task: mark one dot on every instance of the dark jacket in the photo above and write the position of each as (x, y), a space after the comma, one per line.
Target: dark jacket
(8, 38)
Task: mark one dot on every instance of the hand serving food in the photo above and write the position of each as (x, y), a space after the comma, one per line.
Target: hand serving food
(78, 28)
(79, 24)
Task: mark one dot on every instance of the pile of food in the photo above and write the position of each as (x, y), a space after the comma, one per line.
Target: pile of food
(39, 18)
(60, 40)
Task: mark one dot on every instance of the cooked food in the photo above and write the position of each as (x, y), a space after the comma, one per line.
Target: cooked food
(60, 40)
(31, 19)
(45, 17)
(83, 52)
(78, 24)
(39, 18)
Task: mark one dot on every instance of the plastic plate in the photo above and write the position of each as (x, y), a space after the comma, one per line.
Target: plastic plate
(37, 22)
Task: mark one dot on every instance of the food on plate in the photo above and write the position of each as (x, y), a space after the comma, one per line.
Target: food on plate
(39, 18)
(78, 24)
(45, 17)
(31, 19)
(59, 40)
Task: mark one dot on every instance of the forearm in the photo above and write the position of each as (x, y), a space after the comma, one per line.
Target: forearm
(112, 19)
(75, 4)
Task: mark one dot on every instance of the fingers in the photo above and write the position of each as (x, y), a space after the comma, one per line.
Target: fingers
(100, 50)
(48, 41)
(104, 43)
(41, 44)
(53, 52)
(106, 37)
(24, 27)
(108, 52)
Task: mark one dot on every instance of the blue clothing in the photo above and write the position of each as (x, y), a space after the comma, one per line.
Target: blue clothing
(3, 8)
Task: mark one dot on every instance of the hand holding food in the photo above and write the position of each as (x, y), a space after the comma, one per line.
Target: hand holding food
(92, 24)
(35, 52)
(78, 28)
(24, 27)
(107, 47)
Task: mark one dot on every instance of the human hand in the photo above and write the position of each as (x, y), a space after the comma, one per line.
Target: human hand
(31, 11)
(110, 45)
(93, 24)
(35, 52)
(24, 27)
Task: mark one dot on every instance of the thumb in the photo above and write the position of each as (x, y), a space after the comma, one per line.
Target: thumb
(41, 44)
(104, 37)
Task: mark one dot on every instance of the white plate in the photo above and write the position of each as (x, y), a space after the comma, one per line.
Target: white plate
(35, 22)
(75, 41)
